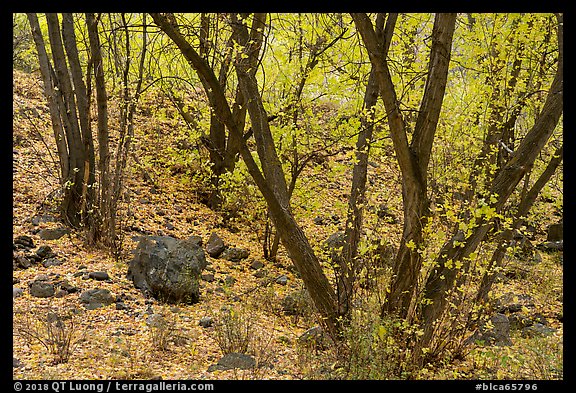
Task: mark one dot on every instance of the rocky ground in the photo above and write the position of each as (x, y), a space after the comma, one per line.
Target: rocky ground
(116, 332)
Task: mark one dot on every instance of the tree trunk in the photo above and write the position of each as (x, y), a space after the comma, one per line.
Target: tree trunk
(71, 206)
(412, 157)
(106, 209)
(356, 202)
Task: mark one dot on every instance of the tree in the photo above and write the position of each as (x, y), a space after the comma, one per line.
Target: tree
(68, 101)
(413, 156)
(270, 177)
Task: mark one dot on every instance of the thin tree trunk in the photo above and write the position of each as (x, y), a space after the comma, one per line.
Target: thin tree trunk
(504, 238)
(108, 216)
(72, 201)
(47, 72)
(356, 201)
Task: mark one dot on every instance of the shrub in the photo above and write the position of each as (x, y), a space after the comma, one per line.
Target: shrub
(56, 330)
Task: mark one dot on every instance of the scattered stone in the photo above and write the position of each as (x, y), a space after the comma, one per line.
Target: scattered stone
(511, 303)
(169, 225)
(319, 220)
(21, 261)
(53, 234)
(215, 245)
(41, 288)
(315, 337)
(16, 363)
(25, 241)
(261, 273)
(17, 292)
(256, 264)
(60, 293)
(44, 252)
(282, 280)
(537, 330)
(235, 254)
(42, 218)
(95, 298)
(495, 332)
(206, 322)
(555, 232)
(168, 268)
(234, 360)
(552, 246)
(229, 280)
(99, 276)
(48, 262)
(208, 277)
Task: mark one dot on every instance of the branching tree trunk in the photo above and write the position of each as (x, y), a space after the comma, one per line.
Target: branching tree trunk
(356, 202)
(270, 180)
(413, 156)
(69, 110)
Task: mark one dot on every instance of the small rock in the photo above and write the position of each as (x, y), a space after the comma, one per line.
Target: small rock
(555, 232)
(234, 360)
(314, 336)
(25, 241)
(99, 276)
(95, 298)
(256, 264)
(42, 218)
(53, 234)
(260, 273)
(282, 280)
(52, 262)
(60, 293)
(229, 280)
(235, 254)
(497, 332)
(206, 322)
(537, 330)
(17, 292)
(552, 246)
(16, 363)
(215, 245)
(42, 288)
(45, 252)
(21, 261)
(208, 277)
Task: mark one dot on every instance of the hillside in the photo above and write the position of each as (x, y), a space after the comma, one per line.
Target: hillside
(121, 340)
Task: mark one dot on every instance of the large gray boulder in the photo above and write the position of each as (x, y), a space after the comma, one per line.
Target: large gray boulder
(168, 268)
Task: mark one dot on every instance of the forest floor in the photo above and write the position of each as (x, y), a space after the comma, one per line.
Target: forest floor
(117, 342)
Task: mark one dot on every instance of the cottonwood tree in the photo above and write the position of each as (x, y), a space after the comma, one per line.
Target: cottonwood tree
(413, 156)
(269, 176)
(91, 187)
(66, 92)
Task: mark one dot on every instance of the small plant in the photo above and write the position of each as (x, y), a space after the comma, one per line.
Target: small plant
(57, 331)
(234, 331)
(162, 330)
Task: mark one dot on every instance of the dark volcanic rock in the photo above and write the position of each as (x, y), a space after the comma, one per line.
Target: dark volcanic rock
(215, 245)
(168, 268)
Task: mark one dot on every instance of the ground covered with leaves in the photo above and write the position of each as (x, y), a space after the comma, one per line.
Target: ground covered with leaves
(251, 306)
